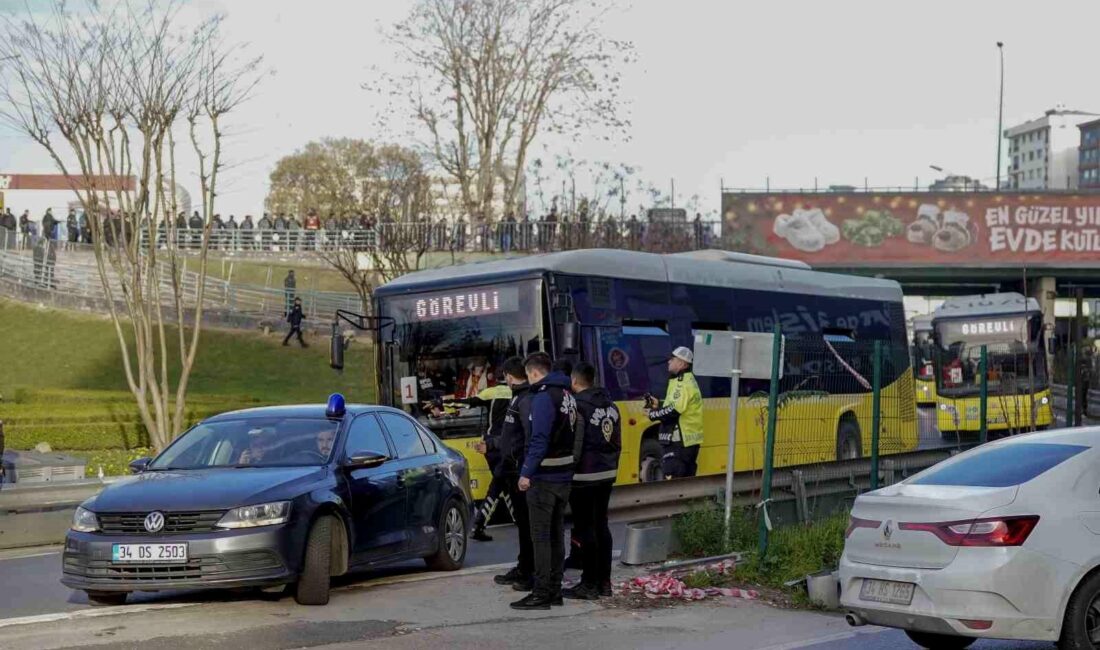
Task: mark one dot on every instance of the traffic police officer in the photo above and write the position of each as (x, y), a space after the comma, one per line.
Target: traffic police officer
(681, 417)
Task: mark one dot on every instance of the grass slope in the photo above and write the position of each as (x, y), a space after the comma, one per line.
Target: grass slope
(62, 380)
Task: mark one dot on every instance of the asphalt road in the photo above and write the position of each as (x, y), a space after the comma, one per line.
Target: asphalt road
(896, 640)
(32, 587)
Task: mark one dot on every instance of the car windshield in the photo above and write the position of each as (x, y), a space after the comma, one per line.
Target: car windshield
(251, 442)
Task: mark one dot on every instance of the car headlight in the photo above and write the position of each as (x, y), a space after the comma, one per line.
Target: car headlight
(84, 521)
(264, 514)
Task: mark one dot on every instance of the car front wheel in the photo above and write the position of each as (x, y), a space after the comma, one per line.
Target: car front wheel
(939, 641)
(451, 550)
(107, 597)
(1082, 622)
(313, 583)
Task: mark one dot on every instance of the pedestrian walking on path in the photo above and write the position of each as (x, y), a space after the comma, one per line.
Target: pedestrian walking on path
(295, 318)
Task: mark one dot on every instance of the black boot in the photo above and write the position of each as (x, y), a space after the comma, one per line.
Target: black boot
(533, 601)
(513, 576)
(605, 589)
(480, 535)
(582, 591)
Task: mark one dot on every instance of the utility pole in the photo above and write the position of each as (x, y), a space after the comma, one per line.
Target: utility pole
(1000, 112)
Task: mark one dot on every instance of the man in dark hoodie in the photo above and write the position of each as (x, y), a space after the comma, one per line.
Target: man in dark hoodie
(597, 468)
(511, 446)
(295, 318)
(546, 476)
(494, 400)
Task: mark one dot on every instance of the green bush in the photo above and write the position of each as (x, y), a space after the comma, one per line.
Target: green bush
(115, 462)
(700, 531)
(794, 551)
(96, 435)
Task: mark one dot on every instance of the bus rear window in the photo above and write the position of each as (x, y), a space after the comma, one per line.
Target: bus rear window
(1005, 466)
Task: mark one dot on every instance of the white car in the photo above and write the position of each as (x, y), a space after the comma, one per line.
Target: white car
(1001, 542)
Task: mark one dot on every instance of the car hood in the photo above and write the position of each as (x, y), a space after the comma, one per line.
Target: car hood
(205, 489)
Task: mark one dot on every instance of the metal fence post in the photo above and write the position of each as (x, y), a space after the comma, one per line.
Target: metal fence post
(876, 412)
(1070, 392)
(983, 397)
(769, 441)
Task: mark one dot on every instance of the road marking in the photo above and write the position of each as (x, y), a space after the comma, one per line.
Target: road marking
(421, 577)
(32, 551)
(828, 638)
(90, 613)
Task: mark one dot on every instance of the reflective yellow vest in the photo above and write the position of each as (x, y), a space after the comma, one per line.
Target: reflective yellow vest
(684, 396)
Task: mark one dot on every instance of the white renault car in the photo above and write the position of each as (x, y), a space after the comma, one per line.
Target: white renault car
(1001, 542)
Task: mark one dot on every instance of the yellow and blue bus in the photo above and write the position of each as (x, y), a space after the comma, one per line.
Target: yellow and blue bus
(1010, 327)
(924, 371)
(624, 312)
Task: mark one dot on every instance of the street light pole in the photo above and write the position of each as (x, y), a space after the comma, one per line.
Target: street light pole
(1000, 112)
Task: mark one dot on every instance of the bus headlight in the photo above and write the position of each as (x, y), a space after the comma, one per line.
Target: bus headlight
(947, 408)
(1044, 401)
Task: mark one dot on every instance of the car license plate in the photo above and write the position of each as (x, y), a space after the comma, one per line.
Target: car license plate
(887, 591)
(172, 553)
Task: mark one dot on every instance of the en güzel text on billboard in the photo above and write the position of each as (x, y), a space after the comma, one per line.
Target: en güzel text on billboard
(902, 229)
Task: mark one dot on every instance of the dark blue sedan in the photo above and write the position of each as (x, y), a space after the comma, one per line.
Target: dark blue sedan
(289, 495)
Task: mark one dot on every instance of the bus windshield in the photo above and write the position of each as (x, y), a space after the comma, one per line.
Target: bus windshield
(450, 345)
(1010, 342)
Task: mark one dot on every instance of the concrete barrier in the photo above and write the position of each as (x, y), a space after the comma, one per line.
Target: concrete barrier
(41, 513)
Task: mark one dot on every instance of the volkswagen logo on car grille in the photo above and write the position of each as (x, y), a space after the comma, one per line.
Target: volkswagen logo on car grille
(154, 521)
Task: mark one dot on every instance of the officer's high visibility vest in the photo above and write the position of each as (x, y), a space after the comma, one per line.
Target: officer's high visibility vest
(684, 396)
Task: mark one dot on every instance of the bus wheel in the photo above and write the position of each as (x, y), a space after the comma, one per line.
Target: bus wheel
(848, 440)
(649, 468)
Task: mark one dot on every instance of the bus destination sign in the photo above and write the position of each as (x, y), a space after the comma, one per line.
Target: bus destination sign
(460, 303)
(986, 329)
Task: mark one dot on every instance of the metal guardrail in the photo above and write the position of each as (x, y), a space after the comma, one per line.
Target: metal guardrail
(498, 237)
(31, 516)
(77, 276)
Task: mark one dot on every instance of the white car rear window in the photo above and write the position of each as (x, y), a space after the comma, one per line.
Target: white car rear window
(1002, 466)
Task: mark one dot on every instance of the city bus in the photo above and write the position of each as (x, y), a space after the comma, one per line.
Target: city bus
(923, 369)
(624, 312)
(1010, 327)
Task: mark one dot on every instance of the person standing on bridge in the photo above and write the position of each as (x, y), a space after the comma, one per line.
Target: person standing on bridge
(681, 417)
(597, 467)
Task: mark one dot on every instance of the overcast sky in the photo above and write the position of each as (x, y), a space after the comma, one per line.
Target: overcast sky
(721, 91)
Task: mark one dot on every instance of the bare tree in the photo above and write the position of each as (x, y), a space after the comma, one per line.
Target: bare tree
(489, 75)
(386, 182)
(105, 90)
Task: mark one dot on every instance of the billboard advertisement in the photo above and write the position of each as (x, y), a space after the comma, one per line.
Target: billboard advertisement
(916, 228)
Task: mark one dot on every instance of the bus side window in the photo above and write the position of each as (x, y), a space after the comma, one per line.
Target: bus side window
(652, 343)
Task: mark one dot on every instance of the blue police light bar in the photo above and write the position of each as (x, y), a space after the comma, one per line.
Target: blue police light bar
(335, 408)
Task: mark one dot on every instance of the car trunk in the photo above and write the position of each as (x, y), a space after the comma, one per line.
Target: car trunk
(917, 504)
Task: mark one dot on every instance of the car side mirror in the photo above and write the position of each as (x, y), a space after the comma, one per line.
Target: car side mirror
(138, 466)
(365, 460)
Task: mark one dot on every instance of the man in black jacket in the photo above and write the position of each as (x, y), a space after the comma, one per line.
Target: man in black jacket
(295, 318)
(511, 446)
(597, 468)
(546, 476)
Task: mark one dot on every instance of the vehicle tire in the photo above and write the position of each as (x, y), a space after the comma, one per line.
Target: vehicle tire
(939, 641)
(453, 536)
(1082, 618)
(849, 442)
(649, 462)
(313, 583)
(107, 598)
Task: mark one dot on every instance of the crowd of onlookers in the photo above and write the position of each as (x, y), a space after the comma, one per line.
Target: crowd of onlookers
(282, 232)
